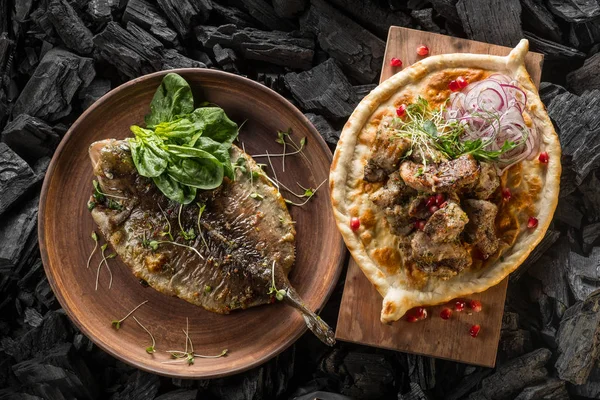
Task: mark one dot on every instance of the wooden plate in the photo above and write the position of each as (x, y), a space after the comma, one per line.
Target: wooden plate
(252, 336)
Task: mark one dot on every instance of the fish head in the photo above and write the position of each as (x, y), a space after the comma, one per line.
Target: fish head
(112, 164)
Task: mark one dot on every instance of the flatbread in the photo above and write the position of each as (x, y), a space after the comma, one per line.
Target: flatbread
(534, 186)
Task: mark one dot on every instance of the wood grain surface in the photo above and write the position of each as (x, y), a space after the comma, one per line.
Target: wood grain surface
(252, 336)
(358, 319)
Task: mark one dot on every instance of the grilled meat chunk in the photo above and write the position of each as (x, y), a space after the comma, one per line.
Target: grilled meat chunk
(226, 258)
(417, 209)
(392, 193)
(386, 153)
(432, 156)
(487, 183)
(447, 176)
(398, 219)
(443, 259)
(481, 231)
(446, 223)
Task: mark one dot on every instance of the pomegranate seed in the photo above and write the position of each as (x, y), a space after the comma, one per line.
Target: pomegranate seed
(474, 331)
(411, 318)
(475, 305)
(453, 86)
(420, 313)
(430, 201)
(401, 111)
(433, 209)
(420, 224)
(439, 199)
(459, 305)
(506, 194)
(354, 223)
(422, 50)
(462, 82)
(395, 62)
(544, 157)
(446, 313)
(532, 223)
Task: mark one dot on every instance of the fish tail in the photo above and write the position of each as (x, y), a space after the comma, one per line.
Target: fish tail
(312, 320)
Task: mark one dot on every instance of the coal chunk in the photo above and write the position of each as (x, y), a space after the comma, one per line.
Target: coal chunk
(372, 15)
(356, 49)
(510, 378)
(327, 132)
(49, 92)
(140, 386)
(99, 11)
(15, 229)
(578, 136)
(590, 235)
(446, 8)
(371, 374)
(172, 59)
(591, 388)
(90, 94)
(575, 10)
(425, 19)
(578, 340)
(289, 8)
(224, 56)
(70, 27)
(586, 77)
(549, 389)
(264, 13)
(209, 36)
(548, 91)
(184, 14)
(550, 237)
(591, 197)
(540, 20)
(584, 273)
(491, 21)
(568, 212)
(147, 16)
(233, 15)
(323, 89)
(552, 50)
(179, 394)
(30, 137)
(15, 180)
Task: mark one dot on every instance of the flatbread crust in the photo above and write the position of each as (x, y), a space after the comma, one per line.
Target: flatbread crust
(534, 186)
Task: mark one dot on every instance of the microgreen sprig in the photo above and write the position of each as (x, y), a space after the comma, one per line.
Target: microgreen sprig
(95, 238)
(152, 348)
(201, 208)
(188, 355)
(104, 260)
(153, 244)
(279, 293)
(168, 232)
(117, 323)
(189, 234)
(308, 194)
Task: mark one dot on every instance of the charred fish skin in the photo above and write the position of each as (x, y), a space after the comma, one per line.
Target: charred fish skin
(216, 253)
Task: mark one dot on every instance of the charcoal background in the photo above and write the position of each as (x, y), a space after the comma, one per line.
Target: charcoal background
(59, 56)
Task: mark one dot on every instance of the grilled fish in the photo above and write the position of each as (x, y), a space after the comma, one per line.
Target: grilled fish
(229, 250)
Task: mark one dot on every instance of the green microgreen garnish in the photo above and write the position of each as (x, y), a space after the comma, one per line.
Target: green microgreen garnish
(201, 208)
(166, 232)
(152, 348)
(256, 196)
(117, 323)
(279, 293)
(189, 234)
(207, 289)
(188, 355)
(308, 194)
(100, 197)
(104, 261)
(153, 244)
(95, 239)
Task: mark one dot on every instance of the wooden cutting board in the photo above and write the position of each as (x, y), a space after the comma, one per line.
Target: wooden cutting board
(358, 319)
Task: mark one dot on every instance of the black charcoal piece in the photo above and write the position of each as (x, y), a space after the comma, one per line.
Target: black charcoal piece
(513, 376)
(147, 45)
(591, 197)
(32, 317)
(184, 14)
(90, 94)
(371, 374)
(147, 16)
(122, 49)
(172, 59)
(289, 8)
(271, 79)
(584, 273)
(15, 229)
(323, 89)
(224, 56)
(28, 62)
(591, 388)
(140, 385)
(6, 46)
(234, 16)
(578, 136)
(99, 11)
(424, 18)
(584, 35)
(446, 8)
(578, 344)
(363, 90)
(329, 134)
(71, 29)
(56, 80)
(550, 237)
(491, 21)
(44, 293)
(575, 10)
(541, 21)
(179, 394)
(568, 212)
(586, 77)
(549, 389)
(356, 49)
(263, 12)
(276, 47)
(552, 50)
(208, 36)
(372, 15)
(548, 91)
(415, 393)
(513, 344)
(590, 235)
(15, 179)
(30, 137)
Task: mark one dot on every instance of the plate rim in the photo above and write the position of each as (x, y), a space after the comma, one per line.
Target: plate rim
(43, 242)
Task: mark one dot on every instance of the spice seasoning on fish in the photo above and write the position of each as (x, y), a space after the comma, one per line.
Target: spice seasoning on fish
(117, 323)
